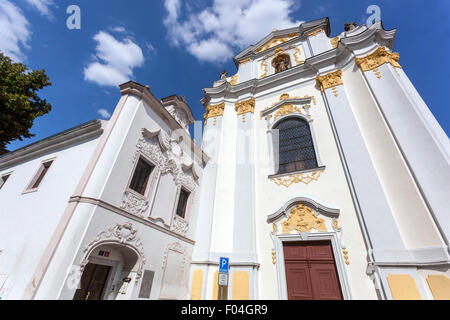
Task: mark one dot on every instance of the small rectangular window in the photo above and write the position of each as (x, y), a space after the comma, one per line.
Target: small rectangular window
(182, 203)
(40, 175)
(141, 176)
(3, 180)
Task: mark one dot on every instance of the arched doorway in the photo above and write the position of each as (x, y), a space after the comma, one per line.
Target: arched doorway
(109, 273)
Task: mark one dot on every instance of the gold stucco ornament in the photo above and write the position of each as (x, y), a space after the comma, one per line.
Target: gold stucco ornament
(303, 218)
(378, 58)
(276, 41)
(244, 107)
(330, 80)
(305, 178)
(214, 111)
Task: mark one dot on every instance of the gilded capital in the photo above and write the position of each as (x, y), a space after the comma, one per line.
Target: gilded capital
(245, 106)
(378, 58)
(213, 111)
(330, 80)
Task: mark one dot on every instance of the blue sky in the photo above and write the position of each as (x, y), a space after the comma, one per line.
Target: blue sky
(180, 47)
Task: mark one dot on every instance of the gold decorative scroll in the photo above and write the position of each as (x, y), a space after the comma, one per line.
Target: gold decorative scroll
(305, 178)
(286, 109)
(245, 106)
(285, 96)
(264, 68)
(315, 33)
(214, 111)
(276, 41)
(334, 42)
(336, 224)
(297, 55)
(234, 80)
(330, 80)
(378, 58)
(303, 218)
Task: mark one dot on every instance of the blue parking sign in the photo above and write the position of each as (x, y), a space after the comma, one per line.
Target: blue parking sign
(223, 265)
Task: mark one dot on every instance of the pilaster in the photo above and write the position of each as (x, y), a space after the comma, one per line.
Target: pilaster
(377, 219)
(421, 140)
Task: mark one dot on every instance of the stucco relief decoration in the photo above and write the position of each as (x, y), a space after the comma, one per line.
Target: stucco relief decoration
(179, 225)
(234, 80)
(123, 234)
(173, 271)
(297, 56)
(244, 107)
(177, 247)
(286, 107)
(134, 204)
(303, 218)
(214, 111)
(179, 115)
(305, 178)
(330, 80)
(334, 42)
(274, 42)
(157, 147)
(264, 67)
(378, 58)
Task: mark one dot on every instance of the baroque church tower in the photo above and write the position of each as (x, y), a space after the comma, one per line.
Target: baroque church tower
(328, 175)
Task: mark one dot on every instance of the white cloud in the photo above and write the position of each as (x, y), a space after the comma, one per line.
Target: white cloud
(14, 31)
(118, 29)
(215, 33)
(115, 60)
(104, 113)
(43, 6)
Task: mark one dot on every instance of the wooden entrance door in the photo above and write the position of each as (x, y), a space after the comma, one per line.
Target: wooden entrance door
(93, 282)
(311, 271)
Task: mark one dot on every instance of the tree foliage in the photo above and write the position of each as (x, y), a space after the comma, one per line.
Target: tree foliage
(19, 100)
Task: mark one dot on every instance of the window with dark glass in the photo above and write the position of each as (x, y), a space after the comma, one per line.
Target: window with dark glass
(45, 166)
(296, 147)
(182, 203)
(141, 176)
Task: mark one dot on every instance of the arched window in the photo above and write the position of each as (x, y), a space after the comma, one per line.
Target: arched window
(296, 147)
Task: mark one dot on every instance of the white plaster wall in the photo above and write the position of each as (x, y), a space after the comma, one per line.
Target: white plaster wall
(108, 183)
(154, 242)
(331, 188)
(409, 209)
(30, 219)
(222, 230)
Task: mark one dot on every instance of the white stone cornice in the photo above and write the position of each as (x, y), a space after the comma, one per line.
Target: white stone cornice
(302, 30)
(143, 92)
(326, 61)
(284, 210)
(294, 101)
(71, 136)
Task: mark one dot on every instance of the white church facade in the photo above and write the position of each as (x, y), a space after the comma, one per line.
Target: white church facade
(322, 174)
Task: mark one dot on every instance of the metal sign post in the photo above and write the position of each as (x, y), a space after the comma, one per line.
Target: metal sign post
(224, 265)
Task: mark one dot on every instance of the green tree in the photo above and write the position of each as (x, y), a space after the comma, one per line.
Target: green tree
(19, 100)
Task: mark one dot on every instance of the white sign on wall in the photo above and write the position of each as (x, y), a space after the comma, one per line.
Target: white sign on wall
(223, 279)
